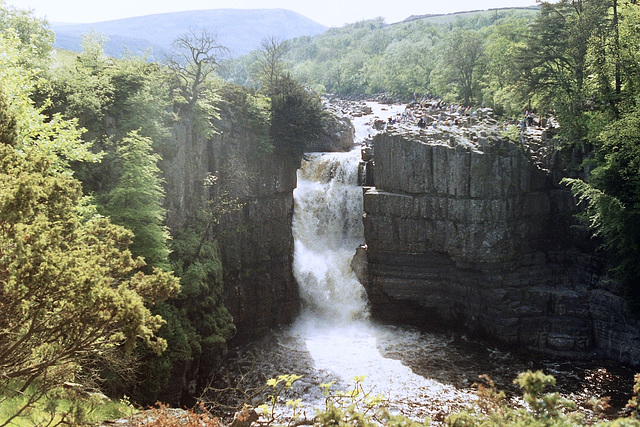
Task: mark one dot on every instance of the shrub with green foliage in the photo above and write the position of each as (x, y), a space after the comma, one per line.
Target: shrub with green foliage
(612, 200)
(33, 34)
(70, 404)
(360, 408)
(69, 290)
(245, 108)
(71, 293)
(297, 117)
(198, 324)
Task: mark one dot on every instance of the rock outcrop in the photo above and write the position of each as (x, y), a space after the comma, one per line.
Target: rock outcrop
(254, 230)
(256, 240)
(472, 231)
(338, 130)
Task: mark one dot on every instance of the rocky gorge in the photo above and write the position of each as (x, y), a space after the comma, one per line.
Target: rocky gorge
(463, 227)
(245, 189)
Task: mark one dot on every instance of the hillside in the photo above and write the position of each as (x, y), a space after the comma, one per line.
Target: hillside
(420, 55)
(448, 18)
(240, 30)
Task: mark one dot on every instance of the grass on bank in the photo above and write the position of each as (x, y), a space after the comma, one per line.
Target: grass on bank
(60, 406)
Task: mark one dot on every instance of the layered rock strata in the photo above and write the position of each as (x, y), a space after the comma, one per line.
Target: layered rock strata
(256, 240)
(253, 191)
(252, 195)
(472, 232)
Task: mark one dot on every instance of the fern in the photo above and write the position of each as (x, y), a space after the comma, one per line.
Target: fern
(604, 213)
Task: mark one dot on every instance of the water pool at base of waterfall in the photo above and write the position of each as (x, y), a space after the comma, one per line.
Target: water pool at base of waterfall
(420, 373)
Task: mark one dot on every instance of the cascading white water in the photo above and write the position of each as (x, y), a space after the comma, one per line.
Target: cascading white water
(327, 227)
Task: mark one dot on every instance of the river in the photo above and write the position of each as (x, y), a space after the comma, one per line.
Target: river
(420, 373)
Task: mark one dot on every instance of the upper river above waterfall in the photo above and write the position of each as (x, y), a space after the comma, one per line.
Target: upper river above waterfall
(421, 373)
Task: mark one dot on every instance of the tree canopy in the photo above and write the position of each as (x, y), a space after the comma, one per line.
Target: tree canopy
(136, 200)
(70, 288)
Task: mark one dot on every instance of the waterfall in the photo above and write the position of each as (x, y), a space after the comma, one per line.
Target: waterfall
(327, 228)
(334, 324)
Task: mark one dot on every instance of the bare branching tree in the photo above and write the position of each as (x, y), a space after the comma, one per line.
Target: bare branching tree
(271, 67)
(196, 57)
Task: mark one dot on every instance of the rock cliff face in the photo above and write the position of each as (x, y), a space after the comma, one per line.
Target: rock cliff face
(256, 184)
(479, 236)
(254, 194)
(254, 232)
(256, 239)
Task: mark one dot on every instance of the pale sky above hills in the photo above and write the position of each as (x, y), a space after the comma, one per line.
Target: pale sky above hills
(332, 13)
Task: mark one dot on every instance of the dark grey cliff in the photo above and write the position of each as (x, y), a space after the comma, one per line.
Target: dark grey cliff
(255, 236)
(249, 185)
(254, 233)
(471, 231)
(256, 240)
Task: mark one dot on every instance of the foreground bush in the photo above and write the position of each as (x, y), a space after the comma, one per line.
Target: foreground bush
(67, 405)
(360, 408)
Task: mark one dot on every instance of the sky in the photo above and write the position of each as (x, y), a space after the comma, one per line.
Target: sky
(332, 13)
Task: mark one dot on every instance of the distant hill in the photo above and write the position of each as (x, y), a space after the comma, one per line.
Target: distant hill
(447, 18)
(240, 30)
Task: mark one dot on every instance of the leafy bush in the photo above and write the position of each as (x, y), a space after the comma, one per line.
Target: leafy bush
(360, 408)
(70, 289)
(297, 117)
(611, 200)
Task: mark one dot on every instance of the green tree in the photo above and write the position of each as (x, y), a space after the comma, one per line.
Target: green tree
(34, 34)
(612, 198)
(459, 61)
(270, 65)
(502, 76)
(629, 16)
(109, 98)
(555, 62)
(195, 60)
(136, 200)
(297, 117)
(82, 89)
(68, 290)
(54, 135)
